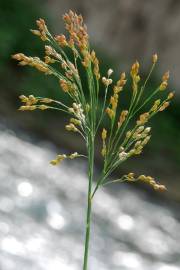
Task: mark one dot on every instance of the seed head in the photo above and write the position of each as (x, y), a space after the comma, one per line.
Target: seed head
(122, 117)
(43, 107)
(109, 73)
(171, 95)
(106, 81)
(164, 106)
(74, 155)
(71, 127)
(154, 58)
(61, 40)
(110, 112)
(104, 134)
(123, 156)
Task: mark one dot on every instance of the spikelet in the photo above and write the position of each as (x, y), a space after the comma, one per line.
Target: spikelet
(164, 83)
(155, 106)
(43, 31)
(110, 72)
(143, 118)
(106, 81)
(46, 100)
(95, 62)
(120, 83)
(154, 58)
(170, 95)
(135, 76)
(110, 113)
(71, 127)
(67, 86)
(61, 40)
(104, 136)
(122, 118)
(164, 106)
(58, 159)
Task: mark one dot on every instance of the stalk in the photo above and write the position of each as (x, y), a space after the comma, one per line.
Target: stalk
(89, 200)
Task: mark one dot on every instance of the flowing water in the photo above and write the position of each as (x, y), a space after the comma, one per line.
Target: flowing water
(42, 210)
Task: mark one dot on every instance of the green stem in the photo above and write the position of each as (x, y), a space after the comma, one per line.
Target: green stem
(89, 201)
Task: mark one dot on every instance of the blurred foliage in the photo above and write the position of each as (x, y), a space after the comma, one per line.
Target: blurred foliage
(16, 17)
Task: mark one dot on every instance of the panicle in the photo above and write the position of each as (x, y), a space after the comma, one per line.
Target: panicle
(122, 142)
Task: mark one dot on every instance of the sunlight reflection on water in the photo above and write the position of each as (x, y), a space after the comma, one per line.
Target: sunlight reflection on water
(42, 211)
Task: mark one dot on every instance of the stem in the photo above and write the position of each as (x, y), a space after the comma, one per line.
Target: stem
(89, 200)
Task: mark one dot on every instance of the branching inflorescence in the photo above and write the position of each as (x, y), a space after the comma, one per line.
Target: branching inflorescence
(64, 58)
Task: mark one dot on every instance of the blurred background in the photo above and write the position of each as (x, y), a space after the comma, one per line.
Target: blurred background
(42, 209)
